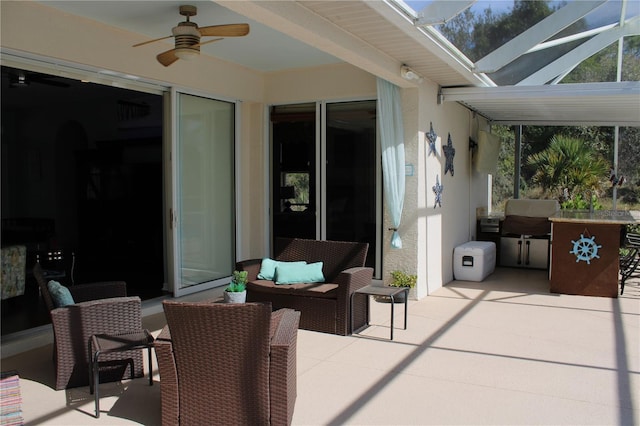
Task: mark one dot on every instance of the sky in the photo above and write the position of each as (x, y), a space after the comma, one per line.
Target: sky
(500, 6)
(605, 14)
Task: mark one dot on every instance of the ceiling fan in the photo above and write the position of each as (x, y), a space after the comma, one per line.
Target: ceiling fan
(187, 37)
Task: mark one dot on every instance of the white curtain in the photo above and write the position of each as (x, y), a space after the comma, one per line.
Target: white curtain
(392, 143)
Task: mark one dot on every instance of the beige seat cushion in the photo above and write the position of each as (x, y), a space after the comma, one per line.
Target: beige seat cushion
(324, 290)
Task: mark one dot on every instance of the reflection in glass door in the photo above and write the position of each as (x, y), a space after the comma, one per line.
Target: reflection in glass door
(205, 199)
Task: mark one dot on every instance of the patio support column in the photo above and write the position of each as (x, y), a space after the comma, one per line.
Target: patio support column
(518, 160)
(406, 258)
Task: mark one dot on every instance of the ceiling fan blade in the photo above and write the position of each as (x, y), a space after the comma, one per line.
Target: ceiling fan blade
(229, 30)
(207, 42)
(151, 41)
(167, 58)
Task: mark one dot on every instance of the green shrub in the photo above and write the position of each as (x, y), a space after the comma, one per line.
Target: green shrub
(401, 279)
(238, 283)
(580, 203)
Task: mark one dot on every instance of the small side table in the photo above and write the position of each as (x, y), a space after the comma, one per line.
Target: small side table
(388, 291)
(108, 343)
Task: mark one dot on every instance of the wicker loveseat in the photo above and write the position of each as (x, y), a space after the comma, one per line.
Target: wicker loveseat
(323, 306)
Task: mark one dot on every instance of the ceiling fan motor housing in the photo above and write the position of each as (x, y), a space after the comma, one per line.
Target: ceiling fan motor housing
(186, 36)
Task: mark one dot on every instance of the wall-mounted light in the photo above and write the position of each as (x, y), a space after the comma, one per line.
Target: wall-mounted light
(409, 74)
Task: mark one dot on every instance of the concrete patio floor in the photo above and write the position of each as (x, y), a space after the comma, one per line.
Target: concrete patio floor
(503, 351)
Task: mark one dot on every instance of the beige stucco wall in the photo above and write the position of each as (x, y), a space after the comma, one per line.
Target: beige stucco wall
(252, 205)
(429, 235)
(329, 82)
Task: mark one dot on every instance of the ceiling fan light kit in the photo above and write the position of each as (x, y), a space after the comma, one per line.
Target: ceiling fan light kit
(187, 53)
(187, 36)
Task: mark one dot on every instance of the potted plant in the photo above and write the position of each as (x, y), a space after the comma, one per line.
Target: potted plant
(236, 291)
(399, 279)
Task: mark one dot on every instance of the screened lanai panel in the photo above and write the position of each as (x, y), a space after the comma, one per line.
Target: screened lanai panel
(532, 43)
(584, 37)
(630, 63)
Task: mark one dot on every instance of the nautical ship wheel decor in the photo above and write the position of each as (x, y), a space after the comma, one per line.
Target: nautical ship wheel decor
(585, 248)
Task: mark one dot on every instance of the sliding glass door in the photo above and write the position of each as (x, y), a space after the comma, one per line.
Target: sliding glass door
(295, 142)
(326, 173)
(204, 205)
(350, 199)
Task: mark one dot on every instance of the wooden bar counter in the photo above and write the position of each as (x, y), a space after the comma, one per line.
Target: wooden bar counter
(584, 251)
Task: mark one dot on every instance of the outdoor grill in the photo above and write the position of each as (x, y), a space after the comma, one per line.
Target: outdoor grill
(526, 232)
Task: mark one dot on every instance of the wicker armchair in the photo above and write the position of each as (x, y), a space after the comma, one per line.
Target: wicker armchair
(227, 364)
(100, 308)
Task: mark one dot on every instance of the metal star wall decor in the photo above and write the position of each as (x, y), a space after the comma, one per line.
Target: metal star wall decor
(431, 140)
(449, 153)
(437, 189)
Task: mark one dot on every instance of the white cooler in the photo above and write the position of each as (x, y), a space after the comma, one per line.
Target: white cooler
(474, 261)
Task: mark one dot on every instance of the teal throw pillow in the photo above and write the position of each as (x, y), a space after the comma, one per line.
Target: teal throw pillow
(291, 274)
(268, 268)
(60, 294)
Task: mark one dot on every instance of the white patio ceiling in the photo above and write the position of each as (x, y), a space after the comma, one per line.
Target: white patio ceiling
(381, 35)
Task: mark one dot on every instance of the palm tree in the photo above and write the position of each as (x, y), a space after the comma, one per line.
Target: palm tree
(569, 164)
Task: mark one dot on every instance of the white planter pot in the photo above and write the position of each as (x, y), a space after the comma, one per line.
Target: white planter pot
(235, 297)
